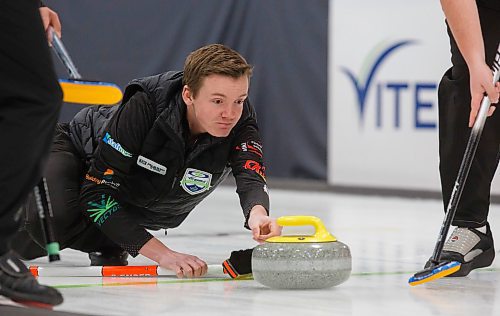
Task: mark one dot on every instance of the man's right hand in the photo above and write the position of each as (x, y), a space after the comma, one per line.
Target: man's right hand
(481, 83)
(183, 265)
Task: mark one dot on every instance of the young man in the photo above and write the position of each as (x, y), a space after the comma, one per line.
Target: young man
(474, 30)
(116, 171)
(30, 99)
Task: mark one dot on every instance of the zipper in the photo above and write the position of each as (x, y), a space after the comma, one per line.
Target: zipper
(164, 191)
(180, 146)
(188, 160)
(176, 177)
(199, 150)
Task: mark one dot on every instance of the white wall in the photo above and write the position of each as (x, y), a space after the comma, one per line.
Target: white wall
(390, 139)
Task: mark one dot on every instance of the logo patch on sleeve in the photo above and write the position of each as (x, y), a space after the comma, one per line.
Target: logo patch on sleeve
(102, 209)
(196, 181)
(151, 165)
(257, 167)
(107, 139)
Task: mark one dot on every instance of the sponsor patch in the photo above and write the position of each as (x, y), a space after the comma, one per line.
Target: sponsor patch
(111, 142)
(102, 209)
(196, 181)
(107, 179)
(257, 167)
(109, 173)
(251, 146)
(151, 165)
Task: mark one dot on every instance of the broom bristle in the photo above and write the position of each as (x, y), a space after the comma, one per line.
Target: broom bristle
(434, 272)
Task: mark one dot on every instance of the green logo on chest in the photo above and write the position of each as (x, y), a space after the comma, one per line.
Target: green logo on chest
(196, 181)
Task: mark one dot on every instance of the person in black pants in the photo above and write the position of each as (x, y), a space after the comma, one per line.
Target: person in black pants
(30, 100)
(474, 31)
(114, 173)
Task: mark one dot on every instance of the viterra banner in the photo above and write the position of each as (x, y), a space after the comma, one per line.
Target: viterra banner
(385, 61)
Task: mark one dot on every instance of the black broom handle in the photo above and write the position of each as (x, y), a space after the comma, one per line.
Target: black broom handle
(463, 172)
(46, 216)
(41, 190)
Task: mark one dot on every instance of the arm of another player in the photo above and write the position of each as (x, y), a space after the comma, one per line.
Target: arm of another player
(463, 18)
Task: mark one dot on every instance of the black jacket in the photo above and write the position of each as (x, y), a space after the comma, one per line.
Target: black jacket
(492, 4)
(143, 171)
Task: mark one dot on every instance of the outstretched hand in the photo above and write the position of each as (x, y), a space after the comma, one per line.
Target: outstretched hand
(182, 264)
(262, 226)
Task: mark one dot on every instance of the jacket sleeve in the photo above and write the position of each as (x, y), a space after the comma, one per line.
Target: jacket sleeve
(101, 198)
(247, 163)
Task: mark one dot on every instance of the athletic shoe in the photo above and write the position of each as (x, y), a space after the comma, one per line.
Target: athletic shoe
(472, 248)
(116, 257)
(18, 284)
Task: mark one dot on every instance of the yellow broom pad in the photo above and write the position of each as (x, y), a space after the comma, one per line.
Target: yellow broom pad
(90, 92)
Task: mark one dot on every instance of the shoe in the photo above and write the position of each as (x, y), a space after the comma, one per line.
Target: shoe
(109, 258)
(18, 284)
(472, 248)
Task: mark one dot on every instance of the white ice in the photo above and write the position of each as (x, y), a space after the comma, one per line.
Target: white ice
(390, 239)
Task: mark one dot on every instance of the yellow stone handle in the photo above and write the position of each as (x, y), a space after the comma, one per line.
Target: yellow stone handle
(320, 234)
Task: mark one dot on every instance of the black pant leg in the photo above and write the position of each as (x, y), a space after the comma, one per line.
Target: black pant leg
(454, 107)
(63, 172)
(30, 100)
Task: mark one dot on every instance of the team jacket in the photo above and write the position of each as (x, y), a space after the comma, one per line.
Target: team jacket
(143, 173)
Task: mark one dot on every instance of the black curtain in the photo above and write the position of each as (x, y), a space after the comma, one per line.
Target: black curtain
(285, 40)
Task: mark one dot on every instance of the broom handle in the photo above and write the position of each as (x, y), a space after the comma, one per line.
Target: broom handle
(463, 172)
(46, 215)
(63, 55)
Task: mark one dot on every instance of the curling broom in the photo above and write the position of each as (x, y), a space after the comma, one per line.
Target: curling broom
(78, 90)
(436, 269)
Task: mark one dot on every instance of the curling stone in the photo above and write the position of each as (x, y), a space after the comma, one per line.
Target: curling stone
(301, 262)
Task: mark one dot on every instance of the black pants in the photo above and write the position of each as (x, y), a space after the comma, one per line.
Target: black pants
(64, 172)
(30, 100)
(454, 108)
